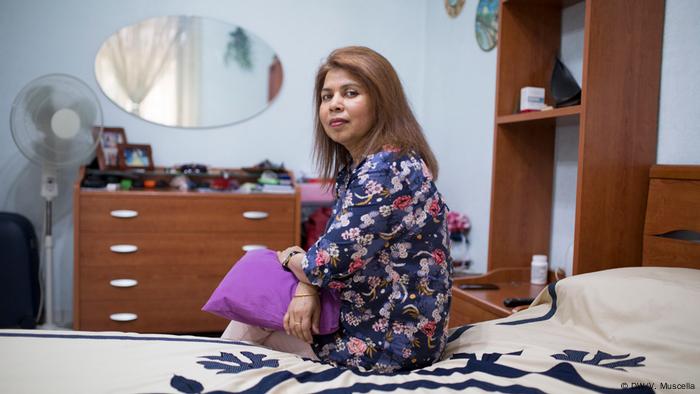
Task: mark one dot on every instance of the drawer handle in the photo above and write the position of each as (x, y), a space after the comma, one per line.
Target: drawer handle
(124, 214)
(123, 248)
(255, 215)
(123, 282)
(123, 316)
(248, 248)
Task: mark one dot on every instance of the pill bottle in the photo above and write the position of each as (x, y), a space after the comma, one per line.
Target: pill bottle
(538, 270)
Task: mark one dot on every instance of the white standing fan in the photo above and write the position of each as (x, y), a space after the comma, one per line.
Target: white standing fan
(52, 123)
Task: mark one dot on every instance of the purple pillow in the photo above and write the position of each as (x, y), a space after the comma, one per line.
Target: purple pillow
(258, 290)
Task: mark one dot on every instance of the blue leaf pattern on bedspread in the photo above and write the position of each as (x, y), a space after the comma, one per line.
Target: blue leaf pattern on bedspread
(487, 363)
(256, 362)
(577, 357)
(185, 385)
(486, 357)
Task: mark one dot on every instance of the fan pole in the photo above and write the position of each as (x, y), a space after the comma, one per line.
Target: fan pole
(49, 190)
(48, 259)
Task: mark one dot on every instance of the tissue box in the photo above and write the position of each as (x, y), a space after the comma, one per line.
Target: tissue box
(531, 99)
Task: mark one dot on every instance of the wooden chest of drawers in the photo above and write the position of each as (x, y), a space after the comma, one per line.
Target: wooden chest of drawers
(148, 261)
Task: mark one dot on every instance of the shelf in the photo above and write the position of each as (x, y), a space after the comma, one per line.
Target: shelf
(168, 172)
(532, 116)
(556, 3)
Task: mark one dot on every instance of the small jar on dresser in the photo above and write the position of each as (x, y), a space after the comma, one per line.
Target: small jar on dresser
(148, 260)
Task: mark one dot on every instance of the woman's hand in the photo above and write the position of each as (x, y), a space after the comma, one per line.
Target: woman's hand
(303, 313)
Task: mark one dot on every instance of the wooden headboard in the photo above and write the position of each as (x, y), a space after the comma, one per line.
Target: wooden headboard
(672, 226)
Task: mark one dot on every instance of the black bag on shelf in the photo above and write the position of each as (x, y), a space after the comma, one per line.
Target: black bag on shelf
(19, 272)
(565, 90)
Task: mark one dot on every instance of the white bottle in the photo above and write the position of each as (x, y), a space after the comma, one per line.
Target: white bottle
(539, 268)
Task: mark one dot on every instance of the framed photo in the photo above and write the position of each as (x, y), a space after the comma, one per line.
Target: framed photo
(133, 156)
(107, 149)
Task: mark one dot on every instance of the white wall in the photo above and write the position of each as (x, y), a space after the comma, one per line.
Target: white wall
(460, 87)
(679, 109)
(566, 147)
(39, 37)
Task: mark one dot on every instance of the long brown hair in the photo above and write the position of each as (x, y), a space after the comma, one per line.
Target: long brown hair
(394, 124)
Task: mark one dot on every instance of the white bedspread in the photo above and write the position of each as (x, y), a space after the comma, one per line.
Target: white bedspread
(624, 330)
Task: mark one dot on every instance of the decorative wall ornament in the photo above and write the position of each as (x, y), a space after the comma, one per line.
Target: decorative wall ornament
(454, 7)
(486, 25)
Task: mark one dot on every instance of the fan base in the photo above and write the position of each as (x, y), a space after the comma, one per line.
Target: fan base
(49, 326)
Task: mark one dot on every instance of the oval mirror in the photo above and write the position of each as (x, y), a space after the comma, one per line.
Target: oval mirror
(188, 71)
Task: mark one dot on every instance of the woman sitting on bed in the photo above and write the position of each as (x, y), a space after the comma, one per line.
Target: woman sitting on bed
(386, 246)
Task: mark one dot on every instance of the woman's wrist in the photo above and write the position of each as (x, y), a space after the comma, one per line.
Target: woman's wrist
(305, 289)
(295, 264)
(306, 295)
(288, 259)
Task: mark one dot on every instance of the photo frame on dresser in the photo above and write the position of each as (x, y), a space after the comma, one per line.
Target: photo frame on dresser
(134, 156)
(107, 149)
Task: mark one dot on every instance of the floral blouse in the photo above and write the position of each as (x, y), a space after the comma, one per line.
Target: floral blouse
(386, 251)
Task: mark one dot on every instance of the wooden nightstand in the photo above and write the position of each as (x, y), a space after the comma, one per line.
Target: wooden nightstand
(472, 306)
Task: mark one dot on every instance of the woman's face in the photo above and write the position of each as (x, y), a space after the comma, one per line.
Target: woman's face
(346, 110)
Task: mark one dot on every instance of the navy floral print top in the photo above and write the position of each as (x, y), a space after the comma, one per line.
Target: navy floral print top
(386, 251)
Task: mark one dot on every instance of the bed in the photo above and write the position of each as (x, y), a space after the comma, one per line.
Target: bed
(630, 329)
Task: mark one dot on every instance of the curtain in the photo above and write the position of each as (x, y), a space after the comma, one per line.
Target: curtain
(138, 54)
(187, 75)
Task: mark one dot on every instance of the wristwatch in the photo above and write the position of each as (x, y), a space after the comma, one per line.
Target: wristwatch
(285, 263)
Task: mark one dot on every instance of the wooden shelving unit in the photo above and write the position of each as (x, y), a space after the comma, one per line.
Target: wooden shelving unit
(617, 122)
